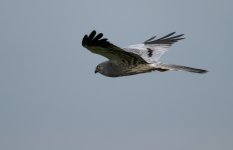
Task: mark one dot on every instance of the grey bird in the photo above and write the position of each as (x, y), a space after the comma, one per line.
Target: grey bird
(135, 59)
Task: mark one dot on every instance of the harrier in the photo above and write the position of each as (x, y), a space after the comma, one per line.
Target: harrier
(135, 59)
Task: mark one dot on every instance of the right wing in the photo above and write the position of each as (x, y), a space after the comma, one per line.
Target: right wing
(98, 45)
(152, 49)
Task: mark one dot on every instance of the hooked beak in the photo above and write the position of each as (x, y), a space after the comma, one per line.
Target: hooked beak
(96, 70)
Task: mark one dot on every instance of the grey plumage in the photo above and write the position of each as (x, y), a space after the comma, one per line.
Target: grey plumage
(135, 59)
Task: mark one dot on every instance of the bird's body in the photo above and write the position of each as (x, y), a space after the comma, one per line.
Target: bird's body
(112, 69)
(135, 59)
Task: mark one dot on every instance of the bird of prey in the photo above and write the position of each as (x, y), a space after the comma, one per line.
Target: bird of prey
(135, 59)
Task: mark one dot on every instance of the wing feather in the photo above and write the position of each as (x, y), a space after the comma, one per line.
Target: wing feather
(167, 39)
(152, 49)
(103, 47)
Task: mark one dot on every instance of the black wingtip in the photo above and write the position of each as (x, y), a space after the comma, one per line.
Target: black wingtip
(92, 34)
(94, 39)
(84, 40)
(164, 37)
(99, 36)
(202, 71)
(167, 39)
(150, 39)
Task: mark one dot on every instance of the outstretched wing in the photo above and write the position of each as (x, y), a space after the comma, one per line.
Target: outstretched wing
(97, 44)
(152, 49)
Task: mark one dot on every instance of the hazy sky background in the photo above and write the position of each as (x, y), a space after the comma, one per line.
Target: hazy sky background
(50, 98)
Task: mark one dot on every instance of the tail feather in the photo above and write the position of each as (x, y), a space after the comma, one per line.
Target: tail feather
(181, 68)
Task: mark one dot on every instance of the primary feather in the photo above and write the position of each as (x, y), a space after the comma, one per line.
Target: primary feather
(152, 49)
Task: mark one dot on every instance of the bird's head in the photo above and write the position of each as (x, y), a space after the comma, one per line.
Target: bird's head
(108, 69)
(99, 68)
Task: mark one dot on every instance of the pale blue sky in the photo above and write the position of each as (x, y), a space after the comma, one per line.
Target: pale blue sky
(50, 97)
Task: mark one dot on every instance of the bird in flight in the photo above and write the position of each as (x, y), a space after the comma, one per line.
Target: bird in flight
(135, 59)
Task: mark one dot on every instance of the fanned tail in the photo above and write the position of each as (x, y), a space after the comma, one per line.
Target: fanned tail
(165, 67)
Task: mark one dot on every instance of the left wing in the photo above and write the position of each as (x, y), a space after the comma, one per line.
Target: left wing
(98, 45)
(152, 49)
